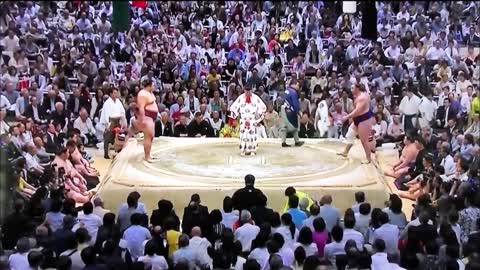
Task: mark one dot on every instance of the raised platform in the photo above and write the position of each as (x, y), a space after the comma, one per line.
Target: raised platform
(213, 168)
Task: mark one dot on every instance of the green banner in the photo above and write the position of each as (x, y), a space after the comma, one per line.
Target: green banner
(121, 16)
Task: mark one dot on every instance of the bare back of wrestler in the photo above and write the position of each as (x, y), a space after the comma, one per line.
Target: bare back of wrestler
(362, 122)
(147, 112)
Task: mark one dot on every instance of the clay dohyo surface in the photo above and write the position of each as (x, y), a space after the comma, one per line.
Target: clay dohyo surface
(214, 167)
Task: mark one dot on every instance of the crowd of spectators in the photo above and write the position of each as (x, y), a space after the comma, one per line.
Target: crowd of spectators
(65, 73)
(52, 233)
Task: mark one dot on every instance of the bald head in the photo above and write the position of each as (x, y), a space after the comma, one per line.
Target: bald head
(157, 229)
(196, 231)
(59, 106)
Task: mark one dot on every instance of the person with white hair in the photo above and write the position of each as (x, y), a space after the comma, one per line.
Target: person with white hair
(200, 245)
(32, 160)
(247, 232)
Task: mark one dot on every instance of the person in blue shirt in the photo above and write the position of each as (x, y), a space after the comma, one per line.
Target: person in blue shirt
(298, 216)
(289, 114)
(236, 53)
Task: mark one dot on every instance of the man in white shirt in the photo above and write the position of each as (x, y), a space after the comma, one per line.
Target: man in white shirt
(379, 259)
(428, 39)
(180, 38)
(200, 245)
(247, 232)
(427, 109)
(435, 53)
(83, 23)
(362, 219)
(135, 236)
(403, 14)
(337, 246)
(98, 208)
(229, 216)
(89, 221)
(447, 161)
(151, 260)
(287, 254)
(112, 116)
(22, 20)
(352, 50)
(262, 68)
(10, 43)
(84, 124)
(392, 52)
(349, 233)
(409, 109)
(4, 103)
(388, 233)
(4, 127)
(31, 159)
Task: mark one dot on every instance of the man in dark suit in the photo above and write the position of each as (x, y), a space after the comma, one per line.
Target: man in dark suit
(34, 111)
(181, 127)
(430, 140)
(307, 129)
(49, 102)
(76, 102)
(195, 214)
(425, 232)
(52, 142)
(422, 73)
(472, 38)
(475, 165)
(452, 128)
(445, 113)
(200, 127)
(165, 210)
(249, 196)
(163, 127)
(60, 115)
(260, 213)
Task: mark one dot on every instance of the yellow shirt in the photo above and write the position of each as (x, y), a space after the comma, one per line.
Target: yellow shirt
(172, 241)
(22, 184)
(228, 132)
(474, 107)
(300, 196)
(285, 35)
